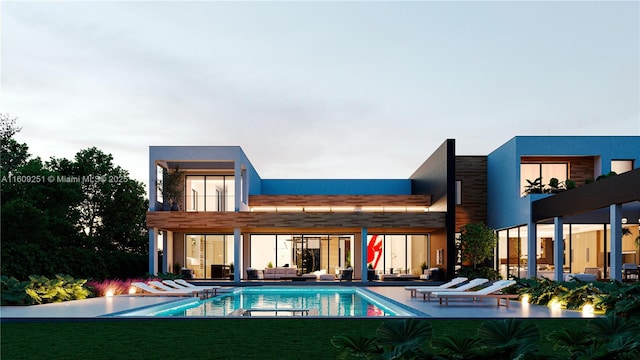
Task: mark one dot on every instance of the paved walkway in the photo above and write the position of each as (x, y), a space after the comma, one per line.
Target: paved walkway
(101, 306)
(465, 308)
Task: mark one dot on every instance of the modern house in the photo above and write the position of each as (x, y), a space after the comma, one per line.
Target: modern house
(225, 213)
(589, 219)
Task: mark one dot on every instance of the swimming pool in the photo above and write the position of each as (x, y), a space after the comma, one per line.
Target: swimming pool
(284, 301)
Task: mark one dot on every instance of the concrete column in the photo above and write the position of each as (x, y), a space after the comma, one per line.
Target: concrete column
(166, 238)
(532, 249)
(237, 187)
(558, 249)
(615, 221)
(363, 254)
(153, 251)
(237, 255)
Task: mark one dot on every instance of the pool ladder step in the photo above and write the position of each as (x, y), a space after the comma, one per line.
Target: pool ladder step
(293, 312)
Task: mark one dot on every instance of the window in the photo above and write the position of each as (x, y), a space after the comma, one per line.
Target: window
(210, 193)
(621, 166)
(458, 192)
(544, 171)
(159, 175)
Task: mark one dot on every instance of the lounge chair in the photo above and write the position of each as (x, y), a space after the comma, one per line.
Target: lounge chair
(173, 284)
(189, 286)
(427, 292)
(452, 283)
(148, 290)
(492, 291)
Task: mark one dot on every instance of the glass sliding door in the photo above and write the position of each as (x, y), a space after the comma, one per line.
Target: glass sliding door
(263, 251)
(306, 252)
(209, 256)
(398, 254)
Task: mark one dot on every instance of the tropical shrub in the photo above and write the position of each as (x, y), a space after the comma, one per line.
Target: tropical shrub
(610, 337)
(509, 338)
(42, 290)
(602, 338)
(13, 291)
(61, 288)
(396, 339)
(606, 297)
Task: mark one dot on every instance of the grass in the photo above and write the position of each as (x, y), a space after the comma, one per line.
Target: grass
(208, 338)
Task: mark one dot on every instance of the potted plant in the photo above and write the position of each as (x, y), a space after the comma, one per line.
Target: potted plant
(171, 186)
(534, 187)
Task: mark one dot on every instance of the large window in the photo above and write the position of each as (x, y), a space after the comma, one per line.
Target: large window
(399, 254)
(210, 193)
(543, 171)
(512, 252)
(307, 253)
(209, 256)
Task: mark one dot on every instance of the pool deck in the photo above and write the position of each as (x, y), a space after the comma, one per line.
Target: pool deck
(103, 306)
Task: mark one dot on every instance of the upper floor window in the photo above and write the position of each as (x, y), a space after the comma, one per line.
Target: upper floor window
(159, 177)
(210, 193)
(621, 166)
(530, 172)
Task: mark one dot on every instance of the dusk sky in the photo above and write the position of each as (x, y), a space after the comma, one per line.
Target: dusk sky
(316, 89)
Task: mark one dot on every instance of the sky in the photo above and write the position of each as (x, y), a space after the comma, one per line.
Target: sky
(363, 90)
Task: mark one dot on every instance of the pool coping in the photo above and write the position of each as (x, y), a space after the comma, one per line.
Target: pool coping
(106, 307)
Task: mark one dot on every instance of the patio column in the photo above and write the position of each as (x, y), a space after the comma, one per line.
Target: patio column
(363, 255)
(532, 249)
(558, 249)
(153, 251)
(166, 239)
(237, 253)
(615, 262)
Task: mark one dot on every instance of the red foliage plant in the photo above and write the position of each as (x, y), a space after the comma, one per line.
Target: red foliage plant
(115, 286)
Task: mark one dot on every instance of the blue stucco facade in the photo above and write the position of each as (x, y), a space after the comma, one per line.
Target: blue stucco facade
(335, 187)
(506, 207)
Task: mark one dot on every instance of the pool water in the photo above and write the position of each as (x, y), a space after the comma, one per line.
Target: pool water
(289, 301)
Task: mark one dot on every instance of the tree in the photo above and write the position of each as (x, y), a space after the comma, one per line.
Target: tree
(12, 153)
(84, 217)
(476, 243)
(112, 208)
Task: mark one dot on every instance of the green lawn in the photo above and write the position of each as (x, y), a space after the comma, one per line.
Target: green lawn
(207, 338)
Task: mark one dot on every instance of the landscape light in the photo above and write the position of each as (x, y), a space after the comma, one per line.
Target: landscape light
(587, 309)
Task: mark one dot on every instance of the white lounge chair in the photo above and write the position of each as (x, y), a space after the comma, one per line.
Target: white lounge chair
(452, 283)
(492, 291)
(426, 293)
(181, 284)
(191, 286)
(148, 290)
(174, 284)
